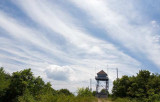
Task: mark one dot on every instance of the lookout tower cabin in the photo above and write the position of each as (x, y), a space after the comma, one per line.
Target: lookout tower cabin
(102, 77)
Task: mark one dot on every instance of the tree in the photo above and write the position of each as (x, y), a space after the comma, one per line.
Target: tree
(20, 81)
(4, 83)
(84, 92)
(26, 97)
(120, 86)
(94, 93)
(23, 83)
(143, 86)
(65, 92)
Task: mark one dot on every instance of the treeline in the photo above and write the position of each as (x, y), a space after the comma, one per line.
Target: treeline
(22, 86)
(144, 87)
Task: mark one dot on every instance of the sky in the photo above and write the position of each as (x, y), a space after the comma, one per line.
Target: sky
(67, 42)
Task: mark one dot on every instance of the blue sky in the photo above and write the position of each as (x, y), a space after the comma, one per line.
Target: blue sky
(67, 42)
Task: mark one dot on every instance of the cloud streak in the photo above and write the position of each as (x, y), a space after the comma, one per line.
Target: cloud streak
(138, 39)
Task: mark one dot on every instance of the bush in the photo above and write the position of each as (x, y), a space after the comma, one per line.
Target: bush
(65, 92)
(125, 100)
(84, 92)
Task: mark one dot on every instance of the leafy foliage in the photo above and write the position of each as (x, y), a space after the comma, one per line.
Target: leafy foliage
(4, 83)
(84, 92)
(145, 86)
(65, 92)
(22, 86)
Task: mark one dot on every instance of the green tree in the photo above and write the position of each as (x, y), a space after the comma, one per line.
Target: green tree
(64, 91)
(20, 81)
(4, 83)
(94, 93)
(26, 97)
(84, 92)
(120, 86)
(145, 86)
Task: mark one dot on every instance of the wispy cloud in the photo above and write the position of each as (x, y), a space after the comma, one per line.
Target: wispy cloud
(137, 38)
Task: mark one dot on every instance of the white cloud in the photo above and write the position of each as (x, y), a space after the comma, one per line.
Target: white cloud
(42, 13)
(64, 73)
(136, 37)
(27, 36)
(156, 39)
(77, 37)
(155, 24)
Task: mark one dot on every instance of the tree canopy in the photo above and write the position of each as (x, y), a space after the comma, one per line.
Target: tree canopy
(143, 86)
(20, 83)
(23, 86)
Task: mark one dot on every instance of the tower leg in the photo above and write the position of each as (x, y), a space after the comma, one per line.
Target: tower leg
(97, 86)
(107, 88)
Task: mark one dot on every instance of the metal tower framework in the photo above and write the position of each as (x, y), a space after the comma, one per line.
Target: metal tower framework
(102, 76)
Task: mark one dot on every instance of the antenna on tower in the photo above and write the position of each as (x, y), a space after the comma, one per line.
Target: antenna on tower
(117, 72)
(107, 68)
(90, 84)
(95, 70)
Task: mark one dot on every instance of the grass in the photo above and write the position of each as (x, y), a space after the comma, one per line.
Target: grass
(57, 98)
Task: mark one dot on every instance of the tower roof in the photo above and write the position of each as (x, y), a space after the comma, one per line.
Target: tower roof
(102, 72)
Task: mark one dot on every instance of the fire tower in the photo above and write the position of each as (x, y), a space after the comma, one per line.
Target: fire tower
(102, 77)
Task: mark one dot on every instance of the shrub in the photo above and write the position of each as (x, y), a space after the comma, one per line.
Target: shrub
(84, 92)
